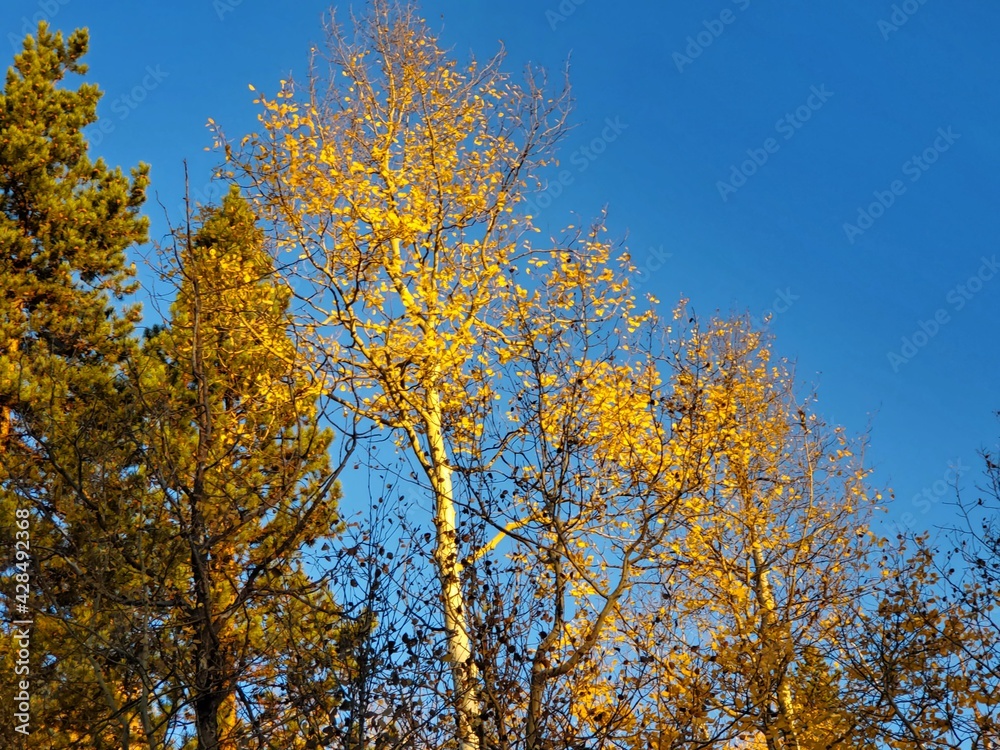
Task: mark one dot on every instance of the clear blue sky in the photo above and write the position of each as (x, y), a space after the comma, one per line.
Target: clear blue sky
(732, 141)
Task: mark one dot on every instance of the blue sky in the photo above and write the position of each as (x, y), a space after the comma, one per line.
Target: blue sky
(835, 164)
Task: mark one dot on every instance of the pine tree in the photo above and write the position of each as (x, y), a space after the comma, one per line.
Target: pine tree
(64, 227)
(171, 485)
(65, 224)
(233, 456)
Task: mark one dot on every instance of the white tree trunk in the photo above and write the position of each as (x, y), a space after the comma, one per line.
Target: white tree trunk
(454, 611)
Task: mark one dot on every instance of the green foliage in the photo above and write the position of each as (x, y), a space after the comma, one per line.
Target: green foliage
(65, 225)
(172, 483)
(233, 454)
(65, 221)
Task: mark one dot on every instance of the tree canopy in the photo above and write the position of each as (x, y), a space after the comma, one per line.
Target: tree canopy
(588, 523)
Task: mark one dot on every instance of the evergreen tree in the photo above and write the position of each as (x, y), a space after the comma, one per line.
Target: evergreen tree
(236, 463)
(65, 224)
(169, 486)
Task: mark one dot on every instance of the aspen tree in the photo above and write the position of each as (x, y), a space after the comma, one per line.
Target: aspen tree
(772, 560)
(394, 180)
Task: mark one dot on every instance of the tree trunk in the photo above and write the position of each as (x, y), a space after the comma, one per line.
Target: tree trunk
(783, 692)
(463, 669)
(207, 692)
